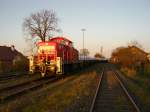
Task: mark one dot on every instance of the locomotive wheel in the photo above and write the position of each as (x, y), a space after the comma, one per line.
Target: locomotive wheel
(43, 70)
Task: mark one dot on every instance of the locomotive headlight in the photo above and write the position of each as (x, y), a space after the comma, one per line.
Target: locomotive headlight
(46, 49)
(52, 47)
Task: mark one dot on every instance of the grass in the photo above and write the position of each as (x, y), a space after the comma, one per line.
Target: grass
(139, 85)
(67, 95)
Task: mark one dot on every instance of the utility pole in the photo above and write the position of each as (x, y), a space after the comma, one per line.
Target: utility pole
(83, 30)
(101, 50)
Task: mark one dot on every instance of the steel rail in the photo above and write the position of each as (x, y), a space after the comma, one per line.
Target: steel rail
(127, 93)
(130, 99)
(31, 87)
(99, 84)
(24, 90)
(20, 84)
(9, 77)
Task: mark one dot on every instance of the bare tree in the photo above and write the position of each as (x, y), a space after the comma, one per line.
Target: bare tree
(135, 43)
(98, 55)
(84, 52)
(41, 24)
(31, 47)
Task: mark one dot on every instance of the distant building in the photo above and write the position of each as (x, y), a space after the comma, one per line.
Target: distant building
(148, 56)
(134, 48)
(8, 57)
(139, 55)
(142, 55)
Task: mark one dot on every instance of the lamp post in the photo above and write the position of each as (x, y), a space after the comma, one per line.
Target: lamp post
(83, 30)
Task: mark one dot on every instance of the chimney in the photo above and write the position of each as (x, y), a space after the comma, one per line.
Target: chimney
(12, 47)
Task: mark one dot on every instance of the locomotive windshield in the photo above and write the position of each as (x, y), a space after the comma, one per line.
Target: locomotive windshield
(46, 49)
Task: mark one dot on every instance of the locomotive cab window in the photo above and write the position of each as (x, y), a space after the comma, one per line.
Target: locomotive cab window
(46, 49)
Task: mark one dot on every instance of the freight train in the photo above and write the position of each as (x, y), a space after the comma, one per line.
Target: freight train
(55, 56)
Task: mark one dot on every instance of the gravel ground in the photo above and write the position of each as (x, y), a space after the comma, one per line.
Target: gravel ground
(72, 94)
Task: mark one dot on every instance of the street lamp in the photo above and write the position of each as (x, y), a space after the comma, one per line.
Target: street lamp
(83, 30)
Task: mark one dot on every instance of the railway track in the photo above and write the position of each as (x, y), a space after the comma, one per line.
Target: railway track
(9, 93)
(111, 95)
(12, 76)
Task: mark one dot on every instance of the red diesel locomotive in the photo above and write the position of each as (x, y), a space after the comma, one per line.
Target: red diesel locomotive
(53, 56)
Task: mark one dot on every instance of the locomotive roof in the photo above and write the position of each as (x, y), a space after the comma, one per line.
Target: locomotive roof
(54, 40)
(45, 43)
(61, 38)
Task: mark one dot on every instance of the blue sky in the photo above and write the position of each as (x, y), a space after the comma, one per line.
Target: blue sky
(108, 23)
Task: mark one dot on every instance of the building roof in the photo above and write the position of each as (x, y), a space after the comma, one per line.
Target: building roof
(138, 49)
(8, 53)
